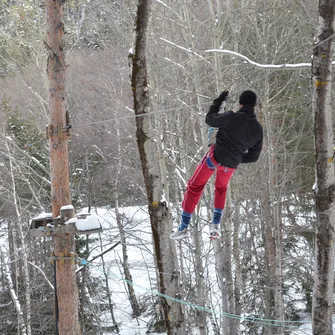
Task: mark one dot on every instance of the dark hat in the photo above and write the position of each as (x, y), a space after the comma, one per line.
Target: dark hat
(248, 98)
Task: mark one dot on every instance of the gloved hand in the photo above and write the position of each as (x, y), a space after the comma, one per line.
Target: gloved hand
(223, 96)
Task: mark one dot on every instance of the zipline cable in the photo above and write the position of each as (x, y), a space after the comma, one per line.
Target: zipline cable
(139, 115)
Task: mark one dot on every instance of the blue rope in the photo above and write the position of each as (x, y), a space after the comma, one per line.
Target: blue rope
(261, 321)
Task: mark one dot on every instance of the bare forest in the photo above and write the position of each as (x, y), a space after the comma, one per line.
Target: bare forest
(139, 77)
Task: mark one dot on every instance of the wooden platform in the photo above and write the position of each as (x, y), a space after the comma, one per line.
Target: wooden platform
(82, 224)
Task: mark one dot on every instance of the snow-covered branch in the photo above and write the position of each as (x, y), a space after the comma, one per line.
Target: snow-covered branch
(6, 305)
(189, 50)
(246, 59)
(264, 66)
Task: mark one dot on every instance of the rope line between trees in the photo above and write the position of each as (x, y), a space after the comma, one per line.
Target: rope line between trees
(139, 115)
(261, 321)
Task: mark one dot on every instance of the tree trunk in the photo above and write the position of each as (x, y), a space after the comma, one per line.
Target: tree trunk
(125, 264)
(272, 226)
(164, 250)
(227, 248)
(201, 290)
(83, 289)
(64, 246)
(107, 290)
(325, 175)
(223, 261)
(238, 268)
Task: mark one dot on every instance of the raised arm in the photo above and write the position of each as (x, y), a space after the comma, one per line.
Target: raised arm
(213, 118)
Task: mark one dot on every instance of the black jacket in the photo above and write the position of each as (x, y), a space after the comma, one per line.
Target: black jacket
(239, 138)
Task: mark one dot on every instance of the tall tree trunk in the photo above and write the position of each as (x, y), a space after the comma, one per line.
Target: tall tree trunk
(201, 294)
(83, 289)
(195, 119)
(325, 175)
(107, 290)
(223, 263)
(164, 249)
(64, 245)
(225, 250)
(238, 268)
(272, 233)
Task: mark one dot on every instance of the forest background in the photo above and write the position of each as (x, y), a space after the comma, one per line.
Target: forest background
(269, 222)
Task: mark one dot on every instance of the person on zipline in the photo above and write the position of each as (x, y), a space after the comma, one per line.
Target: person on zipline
(238, 140)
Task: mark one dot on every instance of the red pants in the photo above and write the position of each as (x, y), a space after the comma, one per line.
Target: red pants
(199, 179)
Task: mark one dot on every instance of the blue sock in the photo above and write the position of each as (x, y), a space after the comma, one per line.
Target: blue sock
(217, 215)
(185, 220)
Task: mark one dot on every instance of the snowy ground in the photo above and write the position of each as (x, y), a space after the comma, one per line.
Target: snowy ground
(139, 243)
(307, 330)
(142, 268)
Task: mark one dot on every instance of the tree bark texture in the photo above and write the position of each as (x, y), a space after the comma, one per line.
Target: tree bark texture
(226, 254)
(56, 66)
(272, 226)
(64, 246)
(164, 250)
(325, 176)
(200, 284)
(238, 266)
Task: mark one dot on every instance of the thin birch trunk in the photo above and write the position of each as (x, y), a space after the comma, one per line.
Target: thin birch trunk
(224, 251)
(23, 252)
(15, 299)
(108, 291)
(220, 270)
(125, 264)
(201, 295)
(238, 268)
(273, 245)
(83, 289)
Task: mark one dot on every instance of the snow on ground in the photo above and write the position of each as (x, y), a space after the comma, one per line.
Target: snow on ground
(307, 329)
(142, 267)
(141, 261)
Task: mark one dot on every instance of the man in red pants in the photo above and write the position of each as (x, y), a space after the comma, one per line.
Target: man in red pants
(238, 140)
